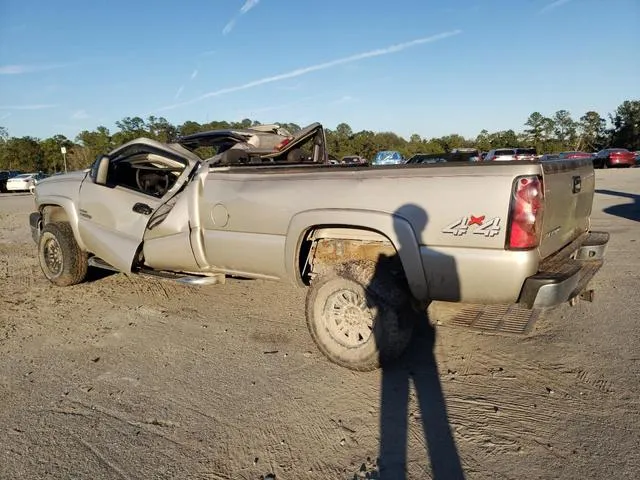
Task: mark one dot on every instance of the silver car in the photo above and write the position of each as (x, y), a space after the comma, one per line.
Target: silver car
(511, 154)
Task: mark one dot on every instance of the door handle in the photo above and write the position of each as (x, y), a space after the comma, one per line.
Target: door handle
(142, 208)
(577, 184)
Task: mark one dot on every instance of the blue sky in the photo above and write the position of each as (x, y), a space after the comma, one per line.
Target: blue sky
(410, 66)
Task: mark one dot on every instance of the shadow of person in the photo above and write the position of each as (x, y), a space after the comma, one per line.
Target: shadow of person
(418, 366)
(630, 211)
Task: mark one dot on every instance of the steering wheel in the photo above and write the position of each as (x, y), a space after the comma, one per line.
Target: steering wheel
(154, 183)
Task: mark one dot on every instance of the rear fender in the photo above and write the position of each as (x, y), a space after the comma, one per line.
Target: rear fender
(396, 229)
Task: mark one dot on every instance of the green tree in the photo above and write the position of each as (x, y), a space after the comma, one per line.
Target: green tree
(160, 129)
(189, 128)
(130, 129)
(91, 144)
(626, 125)
(539, 128)
(344, 131)
(503, 139)
(451, 142)
(592, 132)
(23, 154)
(52, 155)
(483, 142)
(363, 143)
(565, 129)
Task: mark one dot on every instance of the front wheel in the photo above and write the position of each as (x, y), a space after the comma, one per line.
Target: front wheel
(61, 260)
(359, 317)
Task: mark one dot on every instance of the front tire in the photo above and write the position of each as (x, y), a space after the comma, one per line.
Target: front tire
(360, 316)
(61, 260)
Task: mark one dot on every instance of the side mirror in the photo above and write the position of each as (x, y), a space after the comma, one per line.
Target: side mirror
(100, 170)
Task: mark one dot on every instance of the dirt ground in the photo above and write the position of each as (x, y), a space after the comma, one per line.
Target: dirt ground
(128, 378)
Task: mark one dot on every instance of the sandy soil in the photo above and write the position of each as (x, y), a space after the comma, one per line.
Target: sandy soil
(128, 378)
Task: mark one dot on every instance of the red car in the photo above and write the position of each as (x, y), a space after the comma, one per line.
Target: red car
(614, 157)
(574, 155)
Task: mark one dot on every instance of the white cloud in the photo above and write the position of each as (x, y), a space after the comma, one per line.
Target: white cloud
(314, 68)
(6, 115)
(193, 75)
(20, 69)
(246, 7)
(228, 27)
(553, 5)
(40, 106)
(79, 115)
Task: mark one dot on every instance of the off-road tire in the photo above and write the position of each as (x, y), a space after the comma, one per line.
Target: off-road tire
(61, 260)
(385, 293)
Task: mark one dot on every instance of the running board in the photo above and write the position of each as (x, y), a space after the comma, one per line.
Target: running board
(99, 263)
(192, 280)
(218, 279)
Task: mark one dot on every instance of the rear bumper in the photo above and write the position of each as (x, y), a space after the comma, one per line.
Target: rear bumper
(621, 161)
(560, 280)
(17, 187)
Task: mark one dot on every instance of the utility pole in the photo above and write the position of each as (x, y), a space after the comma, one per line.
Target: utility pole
(64, 157)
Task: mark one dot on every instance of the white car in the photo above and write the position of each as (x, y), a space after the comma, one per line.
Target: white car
(511, 154)
(23, 182)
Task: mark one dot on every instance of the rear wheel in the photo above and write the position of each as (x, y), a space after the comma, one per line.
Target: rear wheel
(61, 260)
(360, 316)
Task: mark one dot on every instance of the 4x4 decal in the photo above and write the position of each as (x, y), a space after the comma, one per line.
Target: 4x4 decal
(462, 226)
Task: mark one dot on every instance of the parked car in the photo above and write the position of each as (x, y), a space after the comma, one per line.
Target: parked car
(573, 155)
(465, 155)
(388, 157)
(370, 247)
(427, 158)
(614, 157)
(24, 181)
(511, 154)
(354, 159)
(6, 175)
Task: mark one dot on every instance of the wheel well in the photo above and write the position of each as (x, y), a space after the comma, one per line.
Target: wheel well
(53, 213)
(322, 248)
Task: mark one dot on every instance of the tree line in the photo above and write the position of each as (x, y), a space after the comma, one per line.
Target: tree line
(548, 134)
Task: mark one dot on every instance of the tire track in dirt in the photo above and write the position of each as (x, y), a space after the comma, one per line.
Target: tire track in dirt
(506, 404)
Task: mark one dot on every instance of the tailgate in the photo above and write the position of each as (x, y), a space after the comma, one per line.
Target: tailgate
(569, 189)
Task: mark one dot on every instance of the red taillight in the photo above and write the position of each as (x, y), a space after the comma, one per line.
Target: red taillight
(283, 144)
(527, 205)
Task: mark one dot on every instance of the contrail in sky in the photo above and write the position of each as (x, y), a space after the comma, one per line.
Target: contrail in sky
(314, 68)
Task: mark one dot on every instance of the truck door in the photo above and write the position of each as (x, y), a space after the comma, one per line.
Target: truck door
(123, 191)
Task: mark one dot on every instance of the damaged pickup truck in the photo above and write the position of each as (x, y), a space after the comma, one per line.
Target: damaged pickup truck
(371, 245)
